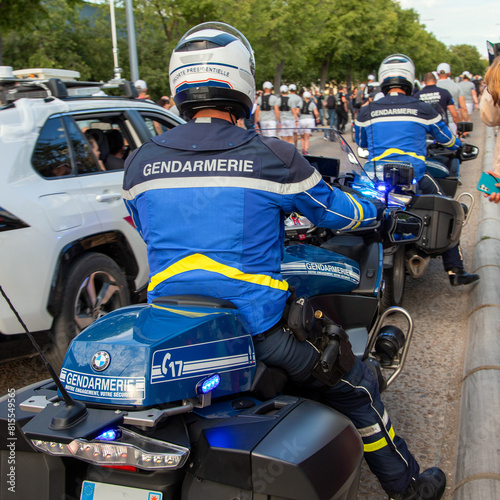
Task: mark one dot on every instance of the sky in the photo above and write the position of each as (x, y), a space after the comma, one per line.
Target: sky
(460, 21)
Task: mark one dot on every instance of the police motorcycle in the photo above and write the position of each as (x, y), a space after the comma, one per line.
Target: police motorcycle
(443, 218)
(167, 401)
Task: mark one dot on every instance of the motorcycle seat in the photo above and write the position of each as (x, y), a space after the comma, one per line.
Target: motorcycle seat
(194, 300)
(351, 246)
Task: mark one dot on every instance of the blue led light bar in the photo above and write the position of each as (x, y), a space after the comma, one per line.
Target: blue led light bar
(208, 384)
(109, 435)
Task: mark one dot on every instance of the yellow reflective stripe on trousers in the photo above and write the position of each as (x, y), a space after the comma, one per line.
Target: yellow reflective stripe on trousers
(198, 262)
(394, 151)
(377, 445)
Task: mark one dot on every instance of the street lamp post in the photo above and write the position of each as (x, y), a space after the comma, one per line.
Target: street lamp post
(117, 70)
(132, 46)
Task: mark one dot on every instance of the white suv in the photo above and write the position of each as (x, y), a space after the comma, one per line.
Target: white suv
(69, 252)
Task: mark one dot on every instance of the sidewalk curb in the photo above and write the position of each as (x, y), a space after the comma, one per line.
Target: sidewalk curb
(477, 472)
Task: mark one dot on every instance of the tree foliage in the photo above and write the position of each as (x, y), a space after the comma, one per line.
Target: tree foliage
(321, 42)
(467, 58)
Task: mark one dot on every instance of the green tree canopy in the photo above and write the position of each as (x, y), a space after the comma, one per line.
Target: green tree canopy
(313, 43)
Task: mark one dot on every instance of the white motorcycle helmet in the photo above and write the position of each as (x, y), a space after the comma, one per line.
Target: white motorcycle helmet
(398, 71)
(213, 66)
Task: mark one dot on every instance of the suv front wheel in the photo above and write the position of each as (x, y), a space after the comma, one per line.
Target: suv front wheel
(94, 287)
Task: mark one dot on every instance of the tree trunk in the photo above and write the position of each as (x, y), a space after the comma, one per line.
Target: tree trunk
(1, 50)
(325, 65)
(277, 76)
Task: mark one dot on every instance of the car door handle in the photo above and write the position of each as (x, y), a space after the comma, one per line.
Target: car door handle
(108, 197)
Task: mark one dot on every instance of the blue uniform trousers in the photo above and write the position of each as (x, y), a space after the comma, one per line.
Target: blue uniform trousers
(357, 396)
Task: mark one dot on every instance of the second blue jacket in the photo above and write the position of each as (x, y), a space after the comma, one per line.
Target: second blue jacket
(395, 128)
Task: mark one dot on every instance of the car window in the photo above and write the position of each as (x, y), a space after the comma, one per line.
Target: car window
(51, 157)
(85, 161)
(111, 135)
(157, 124)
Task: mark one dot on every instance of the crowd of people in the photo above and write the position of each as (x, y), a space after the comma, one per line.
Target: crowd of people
(292, 115)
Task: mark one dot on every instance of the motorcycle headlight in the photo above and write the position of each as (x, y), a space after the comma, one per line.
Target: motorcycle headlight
(129, 448)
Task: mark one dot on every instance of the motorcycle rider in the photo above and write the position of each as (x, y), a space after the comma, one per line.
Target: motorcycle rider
(208, 198)
(394, 129)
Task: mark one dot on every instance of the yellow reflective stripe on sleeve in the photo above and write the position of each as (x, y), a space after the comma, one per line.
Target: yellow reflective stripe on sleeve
(451, 143)
(201, 262)
(394, 151)
(381, 443)
(360, 209)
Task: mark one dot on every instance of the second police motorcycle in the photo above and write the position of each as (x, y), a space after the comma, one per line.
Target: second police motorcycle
(167, 401)
(443, 216)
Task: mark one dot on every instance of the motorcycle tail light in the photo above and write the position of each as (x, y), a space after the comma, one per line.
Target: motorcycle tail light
(130, 449)
(9, 221)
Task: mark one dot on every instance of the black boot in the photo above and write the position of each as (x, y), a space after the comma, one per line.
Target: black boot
(461, 277)
(430, 485)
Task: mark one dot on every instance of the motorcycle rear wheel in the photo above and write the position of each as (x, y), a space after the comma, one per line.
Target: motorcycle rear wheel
(395, 279)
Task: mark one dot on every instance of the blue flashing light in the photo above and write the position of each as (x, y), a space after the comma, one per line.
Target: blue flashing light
(209, 384)
(109, 435)
(382, 187)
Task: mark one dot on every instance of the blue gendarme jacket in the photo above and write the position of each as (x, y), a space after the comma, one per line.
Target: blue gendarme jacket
(394, 129)
(209, 198)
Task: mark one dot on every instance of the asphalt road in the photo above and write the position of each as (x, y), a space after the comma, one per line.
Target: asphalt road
(424, 402)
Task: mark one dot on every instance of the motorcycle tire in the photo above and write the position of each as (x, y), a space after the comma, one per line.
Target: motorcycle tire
(395, 278)
(95, 286)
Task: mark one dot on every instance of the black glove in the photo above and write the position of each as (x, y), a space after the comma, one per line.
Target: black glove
(380, 206)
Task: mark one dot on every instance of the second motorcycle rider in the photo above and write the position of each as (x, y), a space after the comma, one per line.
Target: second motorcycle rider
(394, 129)
(208, 198)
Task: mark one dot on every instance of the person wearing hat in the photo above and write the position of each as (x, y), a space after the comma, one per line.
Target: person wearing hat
(287, 116)
(142, 89)
(469, 90)
(267, 114)
(309, 116)
(372, 87)
(445, 82)
(295, 105)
